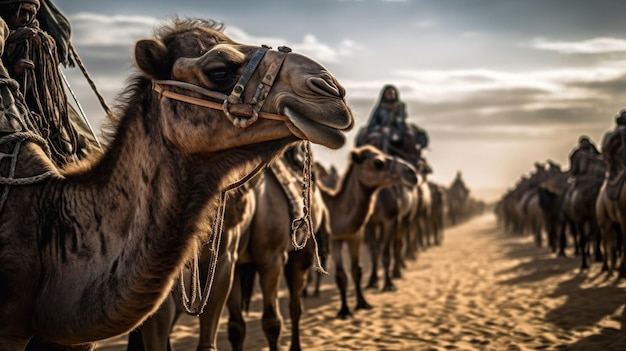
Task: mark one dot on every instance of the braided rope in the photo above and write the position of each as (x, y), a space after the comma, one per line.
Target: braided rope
(306, 220)
(92, 84)
(200, 297)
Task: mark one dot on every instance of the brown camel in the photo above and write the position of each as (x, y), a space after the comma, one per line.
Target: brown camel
(269, 251)
(101, 242)
(358, 192)
(386, 231)
(419, 223)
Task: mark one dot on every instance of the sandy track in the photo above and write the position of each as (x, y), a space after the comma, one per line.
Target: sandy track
(480, 290)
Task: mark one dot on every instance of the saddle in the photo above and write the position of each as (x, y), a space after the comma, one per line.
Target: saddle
(395, 144)
(614, 184)
(290, 181)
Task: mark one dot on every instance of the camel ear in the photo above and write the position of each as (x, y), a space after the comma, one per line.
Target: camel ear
(151, 57)
(356, 157)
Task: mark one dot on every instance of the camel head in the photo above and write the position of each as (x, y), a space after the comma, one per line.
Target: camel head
(207, 80)
(377, 169)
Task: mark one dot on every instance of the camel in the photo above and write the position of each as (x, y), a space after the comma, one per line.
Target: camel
(579, 208)
(396, 207)
(386, 230)
(102, 241)
(270, 245)
(551, 193)
(328, 177)
(350, 205)
(437, 215)
(611, 203)
(269, 251)
(421, 223)
(457, 196)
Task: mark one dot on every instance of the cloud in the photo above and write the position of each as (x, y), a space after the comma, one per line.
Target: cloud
(590, 46)
(548, 85)
(426, 23)
(95, 30)
(100, 30)
(309, 46)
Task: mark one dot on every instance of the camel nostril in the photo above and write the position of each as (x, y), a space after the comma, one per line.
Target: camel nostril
(323, 86)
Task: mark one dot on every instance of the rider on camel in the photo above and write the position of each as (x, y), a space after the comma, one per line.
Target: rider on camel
(584, 149)
(32, 57)
(388, 121)
(614, 147)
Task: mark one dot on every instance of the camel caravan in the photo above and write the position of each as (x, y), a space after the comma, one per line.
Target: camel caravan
(203, 185)
(582, 206)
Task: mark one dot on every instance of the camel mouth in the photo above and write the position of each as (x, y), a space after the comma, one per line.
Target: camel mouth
(307, 129)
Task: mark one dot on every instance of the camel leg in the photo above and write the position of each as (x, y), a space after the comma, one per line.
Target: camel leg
(269, 275)
(341, 279)
(563, 237)
(404, 240)
(621, 244)
(298, 265)
(412, 243)
(576, 234)
(236, 322)
(583, 242)
(607, 231)
(354, 247)
(390, 231)
(371, 240)
(398, 258)
(222, 284)
(597, 240)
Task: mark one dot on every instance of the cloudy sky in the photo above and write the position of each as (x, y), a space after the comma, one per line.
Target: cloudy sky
(498, 85)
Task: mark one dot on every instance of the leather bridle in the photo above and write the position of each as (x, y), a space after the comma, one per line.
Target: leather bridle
(232, 105)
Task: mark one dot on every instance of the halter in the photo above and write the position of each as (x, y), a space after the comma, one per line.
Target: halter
(233, 105)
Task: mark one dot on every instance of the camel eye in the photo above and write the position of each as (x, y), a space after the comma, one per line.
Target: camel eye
(220, 76)
(379, 164)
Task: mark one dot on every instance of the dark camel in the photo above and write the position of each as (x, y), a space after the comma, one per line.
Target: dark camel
(611, 204)
(102, 241)
(457, 197)
(579, 206)
(269, 252)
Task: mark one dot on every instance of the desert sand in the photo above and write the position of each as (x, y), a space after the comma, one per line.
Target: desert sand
(482, 289)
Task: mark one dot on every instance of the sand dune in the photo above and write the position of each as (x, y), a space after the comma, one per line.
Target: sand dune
(480, 290)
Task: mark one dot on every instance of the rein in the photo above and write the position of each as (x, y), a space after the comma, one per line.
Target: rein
(198, 297)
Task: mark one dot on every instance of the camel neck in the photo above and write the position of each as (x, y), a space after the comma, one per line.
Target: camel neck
(351, 199)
